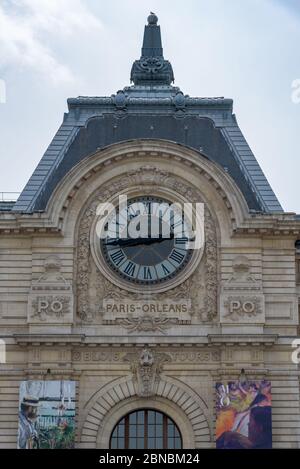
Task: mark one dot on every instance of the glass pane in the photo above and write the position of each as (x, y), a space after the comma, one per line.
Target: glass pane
(177, 435)
(159, 443)
(140, 431)
(171, 430)
(132, 418)
(178, 443)
(121, 430)
(151, 443)
(151, 431)
(132, 443)
(113, 443)
(140, 416)
(132, 430)
(159, 431)
(170, 443)
(140, 443)
(159, 417)
(151, 416)
(121, 443)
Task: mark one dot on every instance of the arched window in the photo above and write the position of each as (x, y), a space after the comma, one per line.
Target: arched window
(146, 429)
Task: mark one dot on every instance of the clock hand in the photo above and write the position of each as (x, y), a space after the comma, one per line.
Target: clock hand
(137, 241)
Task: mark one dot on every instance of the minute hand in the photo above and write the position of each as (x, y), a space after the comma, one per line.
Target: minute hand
(137, 241)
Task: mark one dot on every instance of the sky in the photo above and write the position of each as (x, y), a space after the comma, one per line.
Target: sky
(248, 50)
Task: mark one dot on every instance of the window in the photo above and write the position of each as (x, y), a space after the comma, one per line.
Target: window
(146, 429)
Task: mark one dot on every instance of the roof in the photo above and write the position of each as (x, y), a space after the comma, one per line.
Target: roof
(150, 108)
(7, 206)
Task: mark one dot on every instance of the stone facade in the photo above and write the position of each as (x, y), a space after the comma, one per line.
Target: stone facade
(241, 302)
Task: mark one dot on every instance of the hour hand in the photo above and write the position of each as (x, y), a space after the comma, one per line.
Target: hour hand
(124, 242)
(135, 241)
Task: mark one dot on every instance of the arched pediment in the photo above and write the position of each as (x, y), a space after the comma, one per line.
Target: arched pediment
(156, 160)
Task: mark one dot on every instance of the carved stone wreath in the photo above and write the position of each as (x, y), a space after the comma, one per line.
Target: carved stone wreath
(200, 287)
(62, 301)
(147, 323)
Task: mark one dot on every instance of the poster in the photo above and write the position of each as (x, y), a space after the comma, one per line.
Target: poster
(46, 415)
(244, 415)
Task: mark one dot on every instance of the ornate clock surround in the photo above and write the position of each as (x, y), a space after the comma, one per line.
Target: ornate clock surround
(146, 180)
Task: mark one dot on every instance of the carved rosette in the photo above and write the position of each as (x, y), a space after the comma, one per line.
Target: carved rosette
(93, 288)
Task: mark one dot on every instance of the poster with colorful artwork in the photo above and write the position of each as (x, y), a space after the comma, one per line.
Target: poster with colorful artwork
(46, 415)
(244, 415)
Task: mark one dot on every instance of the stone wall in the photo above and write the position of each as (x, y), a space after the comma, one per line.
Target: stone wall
(244, 303)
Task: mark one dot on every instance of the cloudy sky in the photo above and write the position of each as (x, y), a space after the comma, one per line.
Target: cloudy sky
(247, 50)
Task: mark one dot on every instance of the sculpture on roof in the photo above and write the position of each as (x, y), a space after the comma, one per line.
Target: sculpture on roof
(152, 69)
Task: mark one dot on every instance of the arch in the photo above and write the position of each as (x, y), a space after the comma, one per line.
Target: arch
(173, 398)
(156, 429)
(117, 159)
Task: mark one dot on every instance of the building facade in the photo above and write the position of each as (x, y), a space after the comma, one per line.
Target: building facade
(137, 335)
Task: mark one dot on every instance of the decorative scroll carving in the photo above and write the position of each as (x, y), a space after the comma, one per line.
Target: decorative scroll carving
(200, 288)
(146, 367)
(147, 323)
(241, 279)
(149, 70)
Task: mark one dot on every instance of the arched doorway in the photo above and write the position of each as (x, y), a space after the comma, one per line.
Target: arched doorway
(146, 429)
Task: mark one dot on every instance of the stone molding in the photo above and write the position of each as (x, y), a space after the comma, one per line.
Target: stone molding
(124, 389)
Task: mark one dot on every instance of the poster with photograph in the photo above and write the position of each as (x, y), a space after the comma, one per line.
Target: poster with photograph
(244, 415)
(46, 415)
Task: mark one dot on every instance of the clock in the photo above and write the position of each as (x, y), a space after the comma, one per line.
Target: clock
(147, 241)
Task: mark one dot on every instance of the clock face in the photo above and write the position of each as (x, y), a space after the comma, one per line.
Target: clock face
(147, 242)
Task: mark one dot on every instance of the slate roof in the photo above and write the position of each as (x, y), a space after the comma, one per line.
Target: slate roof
(7, 206)
(151, 108)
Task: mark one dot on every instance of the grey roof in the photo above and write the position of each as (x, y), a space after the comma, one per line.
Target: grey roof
(151, 108)
(7, 206)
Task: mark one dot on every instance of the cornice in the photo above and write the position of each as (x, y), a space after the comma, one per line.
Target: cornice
(49, 339)
(242, 339)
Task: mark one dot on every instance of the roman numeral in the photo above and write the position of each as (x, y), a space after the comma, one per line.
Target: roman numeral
(164, 268)
(147, 273)
(176, 256)
(131, 212)
(147, 207)
(130, 269)
(178, 223)
(181, 240)
(117, 257)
